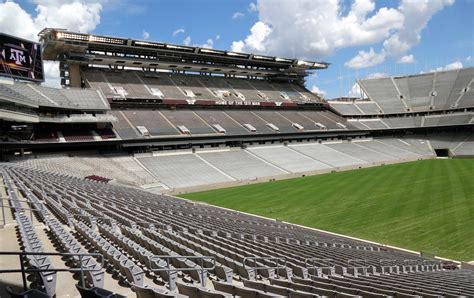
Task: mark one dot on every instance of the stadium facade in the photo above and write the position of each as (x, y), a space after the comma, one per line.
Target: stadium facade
(173, 118)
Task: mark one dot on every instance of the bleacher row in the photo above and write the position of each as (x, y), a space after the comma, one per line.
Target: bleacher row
(140, 123)
(137, 231)
(410, 121)
(36, 95)
(171, 86)
(124, 169)
(459, 144)
(221, 165)
(434, 91)
(163, 122)
(62, 134)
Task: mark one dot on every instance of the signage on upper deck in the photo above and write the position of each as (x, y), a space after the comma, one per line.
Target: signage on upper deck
(20, 58)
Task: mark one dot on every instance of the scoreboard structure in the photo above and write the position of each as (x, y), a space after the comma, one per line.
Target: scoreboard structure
(20, 59)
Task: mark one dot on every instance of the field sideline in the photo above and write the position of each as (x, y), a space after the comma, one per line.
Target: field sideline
(423, 206)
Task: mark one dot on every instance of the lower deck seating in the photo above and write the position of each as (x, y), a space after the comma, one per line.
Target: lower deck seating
(177, 170)
(136, 231)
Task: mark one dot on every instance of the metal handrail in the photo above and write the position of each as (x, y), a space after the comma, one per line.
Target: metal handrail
(168, 268)
(432, 262)
(20, 208)
(255, 259)
(310, 261)
(388, 262)
(357, 263)
(412, 262)
(24, 270)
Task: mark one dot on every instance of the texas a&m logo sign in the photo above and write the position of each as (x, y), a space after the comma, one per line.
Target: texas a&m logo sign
(20, 58)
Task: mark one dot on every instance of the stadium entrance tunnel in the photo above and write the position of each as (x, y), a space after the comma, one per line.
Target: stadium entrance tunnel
(442, 152)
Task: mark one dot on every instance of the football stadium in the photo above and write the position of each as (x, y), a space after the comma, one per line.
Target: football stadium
(168, 170)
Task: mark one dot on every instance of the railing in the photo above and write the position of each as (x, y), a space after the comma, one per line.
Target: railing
(3, 206)
(280, 263)
(168, 268)
(310, 263)
(357, 264)
(329, 264)
(388, 263)
(24, 270)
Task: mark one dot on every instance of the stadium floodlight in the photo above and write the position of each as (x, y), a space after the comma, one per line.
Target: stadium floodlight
(283, 60)
(170, 46)
(103, 39)
(234, 54)
(75, 36)
(262, 57)
(322, 65)
(147, 43)
(305, 63)
(210, 51)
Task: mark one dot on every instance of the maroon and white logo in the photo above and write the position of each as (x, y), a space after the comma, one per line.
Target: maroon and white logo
(17, 56)
(20, 58)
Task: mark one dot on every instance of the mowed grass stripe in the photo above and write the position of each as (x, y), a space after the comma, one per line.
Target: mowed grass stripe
(424, 205)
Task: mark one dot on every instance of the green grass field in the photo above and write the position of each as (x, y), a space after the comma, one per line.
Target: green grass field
(424, 205)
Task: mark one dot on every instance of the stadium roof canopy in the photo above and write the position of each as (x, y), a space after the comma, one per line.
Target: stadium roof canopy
(73, 47)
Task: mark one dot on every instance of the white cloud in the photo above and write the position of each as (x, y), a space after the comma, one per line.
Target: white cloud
(416, 15)
(187, 41)
(312, 28)
(468, 58)
(208, 44)
(237, 46)
(256, 40)
(178, 31)
(80, 15)
(237, 15)
(145, 35)
(407, 59)
(51, 74)
(450, 66)
(366, 59)
(15, 21)
(217, 37)
(252, 7)
(356, 91)
(315, 89)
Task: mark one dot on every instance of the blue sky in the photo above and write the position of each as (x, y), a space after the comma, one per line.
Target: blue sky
(360, 38)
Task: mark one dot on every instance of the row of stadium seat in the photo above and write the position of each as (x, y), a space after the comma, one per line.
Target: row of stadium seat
(425, 92)
(161, 85)
(136, 123)
(37, 95)
(134, 229)
(139, 123)
(452, 119)
(230, 165)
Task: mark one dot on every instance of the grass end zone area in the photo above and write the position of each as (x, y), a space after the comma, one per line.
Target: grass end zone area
(425, 205)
